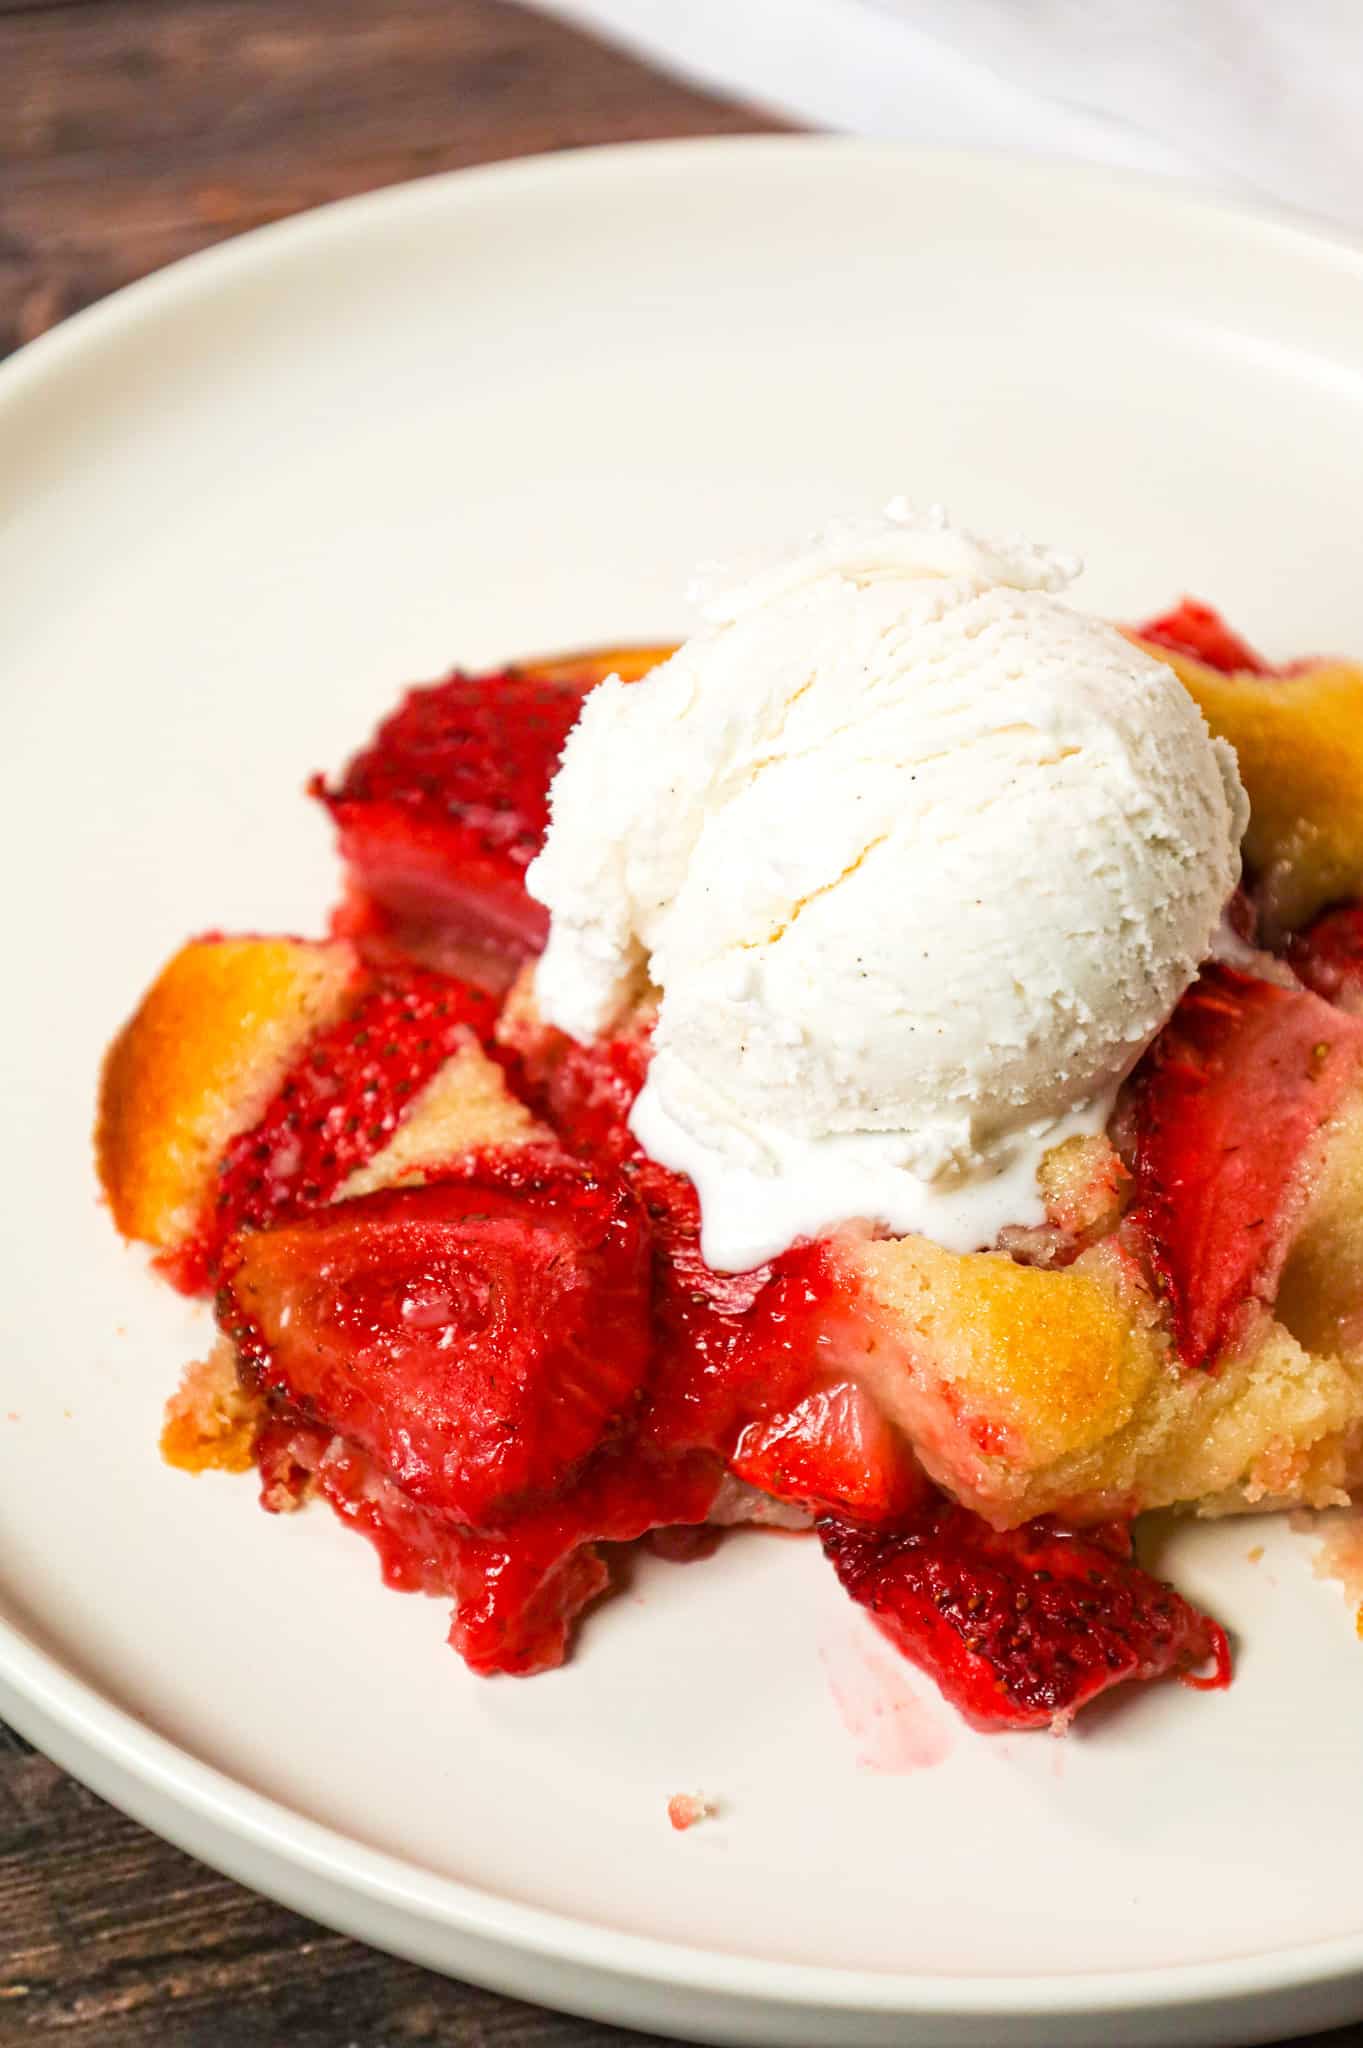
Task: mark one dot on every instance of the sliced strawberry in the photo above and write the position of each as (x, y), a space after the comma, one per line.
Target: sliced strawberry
(440, 815)
(767, 1379)
(337, 1107)
(1195, 629)
(833, 1452)
(1227, 1104)
(1021, 1629)
(477, 1336)
(1328, 956)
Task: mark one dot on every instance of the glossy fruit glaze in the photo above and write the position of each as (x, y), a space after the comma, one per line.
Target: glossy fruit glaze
(516, 1593)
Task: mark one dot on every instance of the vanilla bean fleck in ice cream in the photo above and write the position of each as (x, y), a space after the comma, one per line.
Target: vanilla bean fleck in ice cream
(919, 858)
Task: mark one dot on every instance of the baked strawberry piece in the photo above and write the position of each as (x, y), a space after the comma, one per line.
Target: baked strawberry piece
(477, 1336)
(1022, 1628)
(832, 1450)
(1228, 1106)
(440, 815)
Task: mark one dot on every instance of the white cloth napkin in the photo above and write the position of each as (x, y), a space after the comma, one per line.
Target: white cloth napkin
(1260, 98)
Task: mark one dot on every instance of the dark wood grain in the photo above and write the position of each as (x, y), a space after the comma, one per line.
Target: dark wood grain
(109, 1938)
(133, 132)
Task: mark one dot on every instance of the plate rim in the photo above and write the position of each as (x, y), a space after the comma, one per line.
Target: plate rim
(113, 1737)
(60, 1711)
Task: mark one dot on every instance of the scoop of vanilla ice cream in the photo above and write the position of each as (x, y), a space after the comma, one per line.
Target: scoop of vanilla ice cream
(919, 857)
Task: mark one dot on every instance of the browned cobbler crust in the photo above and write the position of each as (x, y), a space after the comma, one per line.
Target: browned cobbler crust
(1298, 738)
(212, 1420)
(198, 1061)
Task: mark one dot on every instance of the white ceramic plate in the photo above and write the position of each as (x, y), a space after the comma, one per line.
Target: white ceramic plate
(495, 414)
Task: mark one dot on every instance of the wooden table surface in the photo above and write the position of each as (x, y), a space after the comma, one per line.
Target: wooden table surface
(132, 132)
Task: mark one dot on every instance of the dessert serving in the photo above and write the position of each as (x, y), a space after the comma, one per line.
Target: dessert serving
(890, 1069)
